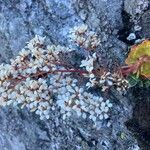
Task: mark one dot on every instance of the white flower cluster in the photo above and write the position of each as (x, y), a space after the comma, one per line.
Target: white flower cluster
(33, 94)
(21, 81)
(72, 99)
(88, 63)
(35, 57)
(107, 80)
(84, 38)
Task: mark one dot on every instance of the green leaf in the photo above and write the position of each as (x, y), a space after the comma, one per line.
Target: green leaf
(147, 83)
(133, 80)
(140, 83)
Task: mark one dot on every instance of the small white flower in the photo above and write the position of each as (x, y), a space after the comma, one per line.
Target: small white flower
(70, 89)
(88, 64)
(101, 117)
(103, 104)
(109, 105)
(47, 116)
(98, 111)
(81, 90)
(92, 112)
(68, 114)
(45, 68)
(107, 101)
(93, 118)
(42, 117)
(100, 99)
(88, 84)
(110, 83)
(9, 102)
(92, 75)
(64, 116)
(106, 109)
(106, 116)
(84, 38)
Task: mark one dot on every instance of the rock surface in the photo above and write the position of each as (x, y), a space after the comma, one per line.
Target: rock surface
(21, 20)
(145, 23)
(135, 7)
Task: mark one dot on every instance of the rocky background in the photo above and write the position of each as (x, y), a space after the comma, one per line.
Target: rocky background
(119, 24)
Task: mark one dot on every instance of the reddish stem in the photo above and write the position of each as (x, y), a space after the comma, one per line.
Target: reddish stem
(75, 71)
(14, 82)
(126, 70)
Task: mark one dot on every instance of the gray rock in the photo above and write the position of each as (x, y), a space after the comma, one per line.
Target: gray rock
(145, 24)
(134, 7)
(20, 20)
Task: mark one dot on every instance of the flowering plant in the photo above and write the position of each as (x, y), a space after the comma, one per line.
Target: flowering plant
(37, 74)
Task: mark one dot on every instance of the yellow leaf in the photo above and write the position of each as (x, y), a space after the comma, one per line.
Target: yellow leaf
(137, 52)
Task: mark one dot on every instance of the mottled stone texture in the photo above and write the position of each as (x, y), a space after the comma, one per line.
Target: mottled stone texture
(145, 24)
(134, 7)
(20, 20)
